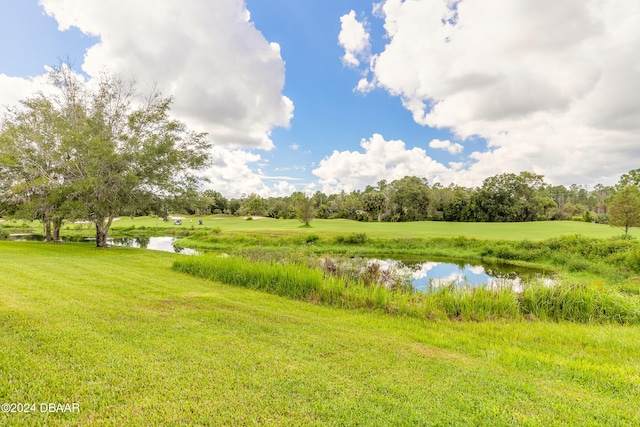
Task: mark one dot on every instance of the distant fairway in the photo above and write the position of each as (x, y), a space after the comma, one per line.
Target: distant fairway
(328, 227)
(332, 227)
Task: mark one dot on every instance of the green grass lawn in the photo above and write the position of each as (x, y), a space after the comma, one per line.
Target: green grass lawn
(331, 227)
(135, 343)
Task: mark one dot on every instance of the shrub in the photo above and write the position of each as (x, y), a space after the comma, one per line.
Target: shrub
(502, 251)
(312, 238)
(575, 264)
(632, 260)
(353, 238)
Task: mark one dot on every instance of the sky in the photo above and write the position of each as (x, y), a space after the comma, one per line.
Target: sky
(337, 95)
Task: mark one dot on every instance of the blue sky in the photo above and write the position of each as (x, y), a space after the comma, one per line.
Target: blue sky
(29, 40)
(452, 91)
(328, 115)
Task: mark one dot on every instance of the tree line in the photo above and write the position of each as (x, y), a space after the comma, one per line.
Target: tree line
(505, 197)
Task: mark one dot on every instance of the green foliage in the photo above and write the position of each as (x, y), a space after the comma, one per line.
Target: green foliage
(374, 203)
(502, 251)
(353, 238)
(624, 209)
(312, 238)
(304, 207)
(281, 279)
(632, 260)
(477, 304)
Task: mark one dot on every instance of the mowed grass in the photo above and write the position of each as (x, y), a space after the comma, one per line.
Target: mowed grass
(333, 227)
(135, 343)
(328, 228)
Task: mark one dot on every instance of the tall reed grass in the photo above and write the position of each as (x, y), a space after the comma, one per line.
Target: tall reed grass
(579, 303)
(290, 280)
(297, 280)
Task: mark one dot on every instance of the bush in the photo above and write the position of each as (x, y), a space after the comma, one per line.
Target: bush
(575, 264)
(632, 260)
(353, 238)
(312, 238)
(503, 252)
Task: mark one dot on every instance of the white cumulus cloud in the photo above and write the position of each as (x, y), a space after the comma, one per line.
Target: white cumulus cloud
(550, 85)
(15, 89)
(451, 147)
(390, 160)
(225, 77)
(233, 174)
(354, 38)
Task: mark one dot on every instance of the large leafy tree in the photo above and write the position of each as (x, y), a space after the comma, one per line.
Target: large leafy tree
(410, 198)
(31, 171)
(108, 149)
(509, 197)
(374, 203)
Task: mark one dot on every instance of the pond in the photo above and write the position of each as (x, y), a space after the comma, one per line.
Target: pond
(166, 244)
(425, 276)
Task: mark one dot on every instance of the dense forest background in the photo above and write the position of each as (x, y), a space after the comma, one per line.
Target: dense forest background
(505, 197)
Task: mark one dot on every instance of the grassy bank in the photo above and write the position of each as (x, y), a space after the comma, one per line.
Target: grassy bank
(135, 343)
(563, 301)
(613, 261)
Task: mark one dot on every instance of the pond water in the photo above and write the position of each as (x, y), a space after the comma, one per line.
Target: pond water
(166, 244)
(425, 276)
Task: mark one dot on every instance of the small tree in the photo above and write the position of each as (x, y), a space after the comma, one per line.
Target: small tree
(304, 207)
(624, 208)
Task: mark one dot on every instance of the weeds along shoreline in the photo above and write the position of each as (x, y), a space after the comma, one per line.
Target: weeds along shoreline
(597, 276)
(300, 277)
(613, 261)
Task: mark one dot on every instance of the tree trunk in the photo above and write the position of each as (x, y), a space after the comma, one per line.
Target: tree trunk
(47, 230)
(102, 231)
(57, 225)
(101, 235)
